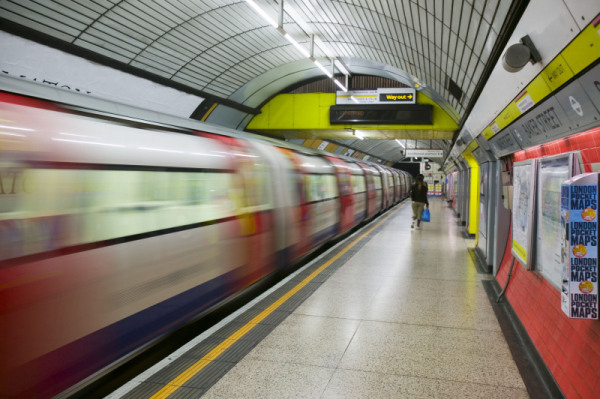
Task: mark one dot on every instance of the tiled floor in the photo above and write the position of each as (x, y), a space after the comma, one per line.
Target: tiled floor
(406, 317)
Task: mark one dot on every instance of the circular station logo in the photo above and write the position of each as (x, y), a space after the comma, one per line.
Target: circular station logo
(579, 250)
(588, 214)
(586, 287)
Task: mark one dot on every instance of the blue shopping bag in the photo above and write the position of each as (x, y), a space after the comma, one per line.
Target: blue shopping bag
(425, 216)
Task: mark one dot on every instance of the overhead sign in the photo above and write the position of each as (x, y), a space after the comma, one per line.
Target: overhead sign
(398, 95)
(416, 153)
(396, 114)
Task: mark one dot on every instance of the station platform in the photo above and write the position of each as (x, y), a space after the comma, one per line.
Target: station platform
(389, 312)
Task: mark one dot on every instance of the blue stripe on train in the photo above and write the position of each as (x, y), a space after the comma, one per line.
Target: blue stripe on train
(66, 366)
(325, 234)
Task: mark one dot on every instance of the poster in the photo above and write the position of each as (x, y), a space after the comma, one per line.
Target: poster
(579, 249)
(523, 216)
(552, 173)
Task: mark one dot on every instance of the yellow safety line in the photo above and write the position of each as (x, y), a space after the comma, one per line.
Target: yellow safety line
(195, 368)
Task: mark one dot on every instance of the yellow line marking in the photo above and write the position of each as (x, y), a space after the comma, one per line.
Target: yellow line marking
(210, 110)
(195, 368)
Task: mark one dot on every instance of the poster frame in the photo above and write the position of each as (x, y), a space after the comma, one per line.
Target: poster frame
(572, 171)
(524, 251)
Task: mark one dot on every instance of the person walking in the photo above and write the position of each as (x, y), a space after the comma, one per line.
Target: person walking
(418, 194)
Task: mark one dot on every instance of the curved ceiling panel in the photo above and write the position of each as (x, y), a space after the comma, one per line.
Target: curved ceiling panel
(225, 51)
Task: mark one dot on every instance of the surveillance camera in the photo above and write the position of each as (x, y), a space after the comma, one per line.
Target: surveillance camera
(516, 57)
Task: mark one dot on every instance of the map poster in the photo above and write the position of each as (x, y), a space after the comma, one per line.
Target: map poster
(579, 251)
(523, 216)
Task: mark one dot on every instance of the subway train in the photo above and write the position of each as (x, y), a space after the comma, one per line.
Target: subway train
(116, 231)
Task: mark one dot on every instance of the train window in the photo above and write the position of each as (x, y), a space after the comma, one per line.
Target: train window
(358, 184)
(57, 208)
(320, 187)
(377, 183)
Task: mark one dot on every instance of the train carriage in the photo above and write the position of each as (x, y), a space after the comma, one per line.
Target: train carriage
(114, 232)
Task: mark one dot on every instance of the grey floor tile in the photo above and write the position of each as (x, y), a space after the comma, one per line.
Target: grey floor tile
(406, 316)
(349, 384)
(262, 379)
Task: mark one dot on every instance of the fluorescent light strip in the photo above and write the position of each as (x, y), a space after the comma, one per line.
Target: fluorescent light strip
(262, 13)
(354, 99)
(322, 68)
(24, 129)
(298, 47)
(161, 150)
(398, 141)
(301, 49)
(12, 134)
(88, 142)
(341, 86)
(358, 135)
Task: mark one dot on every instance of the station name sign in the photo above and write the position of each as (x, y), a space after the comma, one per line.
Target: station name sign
(398, 95)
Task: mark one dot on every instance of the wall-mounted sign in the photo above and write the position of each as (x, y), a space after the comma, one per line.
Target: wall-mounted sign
(323, 145)
(422, 153)
(399, 95)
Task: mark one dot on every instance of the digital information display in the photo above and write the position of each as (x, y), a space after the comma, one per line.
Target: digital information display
(394, 114)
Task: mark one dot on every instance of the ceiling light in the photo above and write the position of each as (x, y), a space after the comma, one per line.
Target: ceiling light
(322, 68)
(262, 13)
(399, 142)
(354, 99)
(358, 135)
(341, 86)
(302, 50)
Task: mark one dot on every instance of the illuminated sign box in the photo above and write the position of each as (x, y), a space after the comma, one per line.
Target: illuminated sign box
(423, 153)
(395, 114)
(579, 248)
(398, 95)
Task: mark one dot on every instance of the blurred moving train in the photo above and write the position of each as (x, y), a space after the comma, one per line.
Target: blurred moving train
(115, 231)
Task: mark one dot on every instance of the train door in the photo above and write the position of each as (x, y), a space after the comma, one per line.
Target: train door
(359, 192)
(385, 189)
(396, 177)
(343, 176)
(371, 190)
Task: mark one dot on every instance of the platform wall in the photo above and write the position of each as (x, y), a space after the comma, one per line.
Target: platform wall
(570, 347)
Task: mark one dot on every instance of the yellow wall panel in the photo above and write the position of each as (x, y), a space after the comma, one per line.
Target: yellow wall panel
(310, 111)
(508, 115)
(557, 73)
(331, 147)
(474, 186)
(538, 89)
(584, 50)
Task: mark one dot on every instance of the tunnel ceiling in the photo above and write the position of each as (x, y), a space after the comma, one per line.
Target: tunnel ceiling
(220, 49)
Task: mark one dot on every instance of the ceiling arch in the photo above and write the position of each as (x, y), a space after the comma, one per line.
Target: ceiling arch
(225, 52)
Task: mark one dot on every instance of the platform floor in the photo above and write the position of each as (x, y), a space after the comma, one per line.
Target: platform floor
(390, 312)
